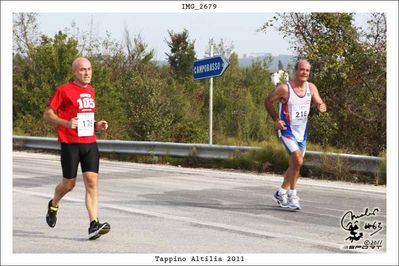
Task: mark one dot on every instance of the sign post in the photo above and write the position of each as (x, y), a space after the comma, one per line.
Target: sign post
(210, 67)
(211, 104)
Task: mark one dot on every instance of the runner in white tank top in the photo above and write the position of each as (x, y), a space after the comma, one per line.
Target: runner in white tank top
(291, 123)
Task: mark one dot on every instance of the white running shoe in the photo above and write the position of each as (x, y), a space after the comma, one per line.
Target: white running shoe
(293, 202)
(281, 199)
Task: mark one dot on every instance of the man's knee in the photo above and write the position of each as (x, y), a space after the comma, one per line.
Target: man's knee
(300, 161)
(297, 159)
(68, 184)
(90, 179)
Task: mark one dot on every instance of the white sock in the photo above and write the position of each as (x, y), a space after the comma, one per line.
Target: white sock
(291, 192)
(282, 191)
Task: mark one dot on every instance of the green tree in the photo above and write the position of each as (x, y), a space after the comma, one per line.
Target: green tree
(41, 65)
(188, 124)
(137, 50)
(280, 65)
(182, 54)
(25, 32)
(109, 100)
(239, 115)
(221, 48)
(148, 115)
(37, 72)
(348, 67)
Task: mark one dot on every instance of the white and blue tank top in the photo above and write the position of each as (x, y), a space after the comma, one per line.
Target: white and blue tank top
(294, 112)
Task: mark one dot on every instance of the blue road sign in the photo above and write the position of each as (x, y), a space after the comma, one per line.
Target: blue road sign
(209, 67)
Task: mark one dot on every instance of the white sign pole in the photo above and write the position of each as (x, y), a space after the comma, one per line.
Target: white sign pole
(210, 102)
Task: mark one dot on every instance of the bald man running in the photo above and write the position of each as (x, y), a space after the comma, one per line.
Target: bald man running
(72, 109)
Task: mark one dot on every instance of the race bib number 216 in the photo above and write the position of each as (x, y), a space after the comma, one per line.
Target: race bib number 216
(300, 114)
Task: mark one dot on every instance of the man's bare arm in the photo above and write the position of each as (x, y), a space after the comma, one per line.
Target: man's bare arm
(50, 116)
(280, 93)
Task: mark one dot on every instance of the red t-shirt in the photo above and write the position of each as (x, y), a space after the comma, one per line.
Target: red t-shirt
(71, 100)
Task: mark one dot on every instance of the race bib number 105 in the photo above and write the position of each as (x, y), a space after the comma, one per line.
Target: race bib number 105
(85, 124)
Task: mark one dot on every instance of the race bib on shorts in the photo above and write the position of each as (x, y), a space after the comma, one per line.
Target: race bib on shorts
(299, 114)
(85, 124)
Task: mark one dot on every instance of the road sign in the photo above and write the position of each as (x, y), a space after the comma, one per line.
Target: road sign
(209, 67)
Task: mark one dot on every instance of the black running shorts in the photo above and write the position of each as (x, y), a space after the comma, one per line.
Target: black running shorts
(73, 153)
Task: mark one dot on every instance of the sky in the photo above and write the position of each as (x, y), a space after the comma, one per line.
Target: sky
(237, 29)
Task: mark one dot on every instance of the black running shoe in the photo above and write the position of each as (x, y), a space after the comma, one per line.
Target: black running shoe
(51, 216)
(97, 229)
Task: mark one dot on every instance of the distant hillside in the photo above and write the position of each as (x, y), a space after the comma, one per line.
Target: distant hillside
(285, 60)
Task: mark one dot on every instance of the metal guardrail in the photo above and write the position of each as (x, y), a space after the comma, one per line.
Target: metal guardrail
(357, 163)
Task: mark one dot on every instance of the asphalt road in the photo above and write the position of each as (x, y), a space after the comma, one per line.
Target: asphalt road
(167, 209)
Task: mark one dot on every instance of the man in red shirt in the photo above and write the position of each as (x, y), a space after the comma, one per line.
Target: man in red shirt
(72, 109)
